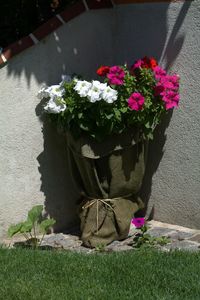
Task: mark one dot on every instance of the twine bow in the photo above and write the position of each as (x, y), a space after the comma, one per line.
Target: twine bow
(105, 202)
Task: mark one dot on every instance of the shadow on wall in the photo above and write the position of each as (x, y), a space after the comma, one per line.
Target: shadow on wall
(151, 40)
(168, 54)
(56, 184)
(155, 154)
(147, 36)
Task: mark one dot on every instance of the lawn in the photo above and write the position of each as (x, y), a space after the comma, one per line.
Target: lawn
(142, 274)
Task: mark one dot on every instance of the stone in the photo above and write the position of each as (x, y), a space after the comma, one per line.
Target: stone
(83, 250)
(118, 247)
(195, 238)
(128, 241)
(180, 235)
(182, 245)
(159, 231)
(61, 241)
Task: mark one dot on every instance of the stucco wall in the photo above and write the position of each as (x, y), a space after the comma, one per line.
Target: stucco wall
(33, 164)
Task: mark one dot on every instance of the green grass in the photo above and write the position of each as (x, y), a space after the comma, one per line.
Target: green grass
(143, 274)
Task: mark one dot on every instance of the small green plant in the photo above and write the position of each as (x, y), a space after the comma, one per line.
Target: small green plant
(100, 248)
(144, 239)
(32, 226)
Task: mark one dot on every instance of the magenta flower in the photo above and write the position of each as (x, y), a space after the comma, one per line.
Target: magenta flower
(138, 222)
(170, 98)
(136, 101)
(159, 72)
(138, 64)
(170, 82)
(159, 88)
(116, 75)
(167, 87)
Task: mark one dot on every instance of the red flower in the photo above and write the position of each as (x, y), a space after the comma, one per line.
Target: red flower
(153, 63)
(149, 63)
(103, 70)
(144, 63)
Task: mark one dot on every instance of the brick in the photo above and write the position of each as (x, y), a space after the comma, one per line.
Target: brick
(144, 1)
(73, 11)
(1, 61)
(97, 4)
(17, 47)
(47, 28)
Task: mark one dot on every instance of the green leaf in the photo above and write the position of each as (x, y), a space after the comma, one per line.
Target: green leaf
(46, 224)
(26, 227)
(147, 125)
(84, 127)
(14, 229)
(124, 109)
(150, 136)
(108, 117)
(35, 213)
(117, 114)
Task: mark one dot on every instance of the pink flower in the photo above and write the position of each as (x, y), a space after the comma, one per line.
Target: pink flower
(138, 222)
(173, 78)
(138, 64)
(170, 82)
(116, 75)
(167, 87)
(136, 101)
(170, 98)
(159, 88)
(159, 72)
(145, 62)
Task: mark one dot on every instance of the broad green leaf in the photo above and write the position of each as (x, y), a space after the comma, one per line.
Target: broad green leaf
(46, 224)
(26, 227)
(13, 229)
(35, 213)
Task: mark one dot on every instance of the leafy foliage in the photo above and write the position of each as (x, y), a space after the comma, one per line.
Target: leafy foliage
(101, 119)
(144, 239)
(31, 226)
(129, 97)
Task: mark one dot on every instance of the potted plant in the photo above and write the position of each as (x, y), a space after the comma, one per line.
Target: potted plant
(108, 124)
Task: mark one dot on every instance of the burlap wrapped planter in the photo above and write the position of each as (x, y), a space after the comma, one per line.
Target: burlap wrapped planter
(110, 174)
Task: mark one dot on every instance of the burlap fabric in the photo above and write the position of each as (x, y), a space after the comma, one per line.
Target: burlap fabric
(110, 174)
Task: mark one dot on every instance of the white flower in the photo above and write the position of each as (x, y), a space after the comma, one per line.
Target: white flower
(65, 78)
(82, 87)
(51, 91)
(42, 93)
(55, 90)
(109, 94)
(55, 105)
(95, 92)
